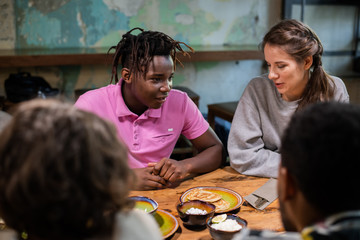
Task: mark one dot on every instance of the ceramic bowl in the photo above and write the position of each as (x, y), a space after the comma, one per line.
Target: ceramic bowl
(195, 219)
(225, 235)
(146, 204)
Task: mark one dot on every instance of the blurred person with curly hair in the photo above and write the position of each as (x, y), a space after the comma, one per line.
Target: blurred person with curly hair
(64, 175)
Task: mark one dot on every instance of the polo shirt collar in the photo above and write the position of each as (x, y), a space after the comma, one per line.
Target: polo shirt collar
(122, 110)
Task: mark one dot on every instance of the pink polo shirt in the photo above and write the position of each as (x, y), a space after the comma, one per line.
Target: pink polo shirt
(152, 135)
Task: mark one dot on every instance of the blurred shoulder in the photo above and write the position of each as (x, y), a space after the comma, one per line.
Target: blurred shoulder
(4, 119)
(260, 87)
(340, 90)
(260, 81)
(100, 91)
(337, 80)
(8, 234)
(4, 116)
(177, 98)
(177, 94)
(127, 226)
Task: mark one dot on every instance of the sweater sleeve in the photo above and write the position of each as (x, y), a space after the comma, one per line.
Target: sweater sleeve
(246, 147)
(340, 94)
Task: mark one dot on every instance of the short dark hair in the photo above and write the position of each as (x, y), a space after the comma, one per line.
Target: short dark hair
(321, 149)
(63, 172)
(137, 51)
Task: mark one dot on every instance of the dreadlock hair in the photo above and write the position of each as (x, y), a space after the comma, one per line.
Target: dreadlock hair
(300, 41)
(135, 52)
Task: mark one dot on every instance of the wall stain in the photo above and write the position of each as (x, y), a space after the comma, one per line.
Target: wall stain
(82, 26)
(46, 6)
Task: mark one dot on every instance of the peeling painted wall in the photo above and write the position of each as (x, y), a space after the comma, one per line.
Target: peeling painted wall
(100, 23)
(7, 25)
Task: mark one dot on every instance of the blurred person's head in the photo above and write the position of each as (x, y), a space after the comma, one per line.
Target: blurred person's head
(63, 172)
(319, 164)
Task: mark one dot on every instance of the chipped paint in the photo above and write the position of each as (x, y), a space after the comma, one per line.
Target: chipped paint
(82, 26)
(101, 23)
(46, 6)
(129, 7)
(184, 19)
(7, 25)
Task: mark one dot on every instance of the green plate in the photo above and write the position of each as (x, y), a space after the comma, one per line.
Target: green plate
(167, 222)
(228, 195)
(146, 204)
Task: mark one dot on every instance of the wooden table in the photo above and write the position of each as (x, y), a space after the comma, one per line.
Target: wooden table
(227, 178)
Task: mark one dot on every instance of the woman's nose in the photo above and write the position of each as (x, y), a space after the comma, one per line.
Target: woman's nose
(272, 75)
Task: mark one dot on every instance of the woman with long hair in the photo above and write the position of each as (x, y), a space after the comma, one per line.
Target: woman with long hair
(296, 79)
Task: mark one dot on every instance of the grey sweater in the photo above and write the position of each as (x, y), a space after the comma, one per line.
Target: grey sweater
(259, 121)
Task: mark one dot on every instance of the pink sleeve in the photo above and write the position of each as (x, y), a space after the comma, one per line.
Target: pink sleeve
(195, 124)
(81, 103)
(89, 102)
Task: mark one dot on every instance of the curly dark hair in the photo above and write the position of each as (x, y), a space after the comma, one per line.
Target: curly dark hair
(320, 148)
(300, 41)
(135, 52)
(63, 172)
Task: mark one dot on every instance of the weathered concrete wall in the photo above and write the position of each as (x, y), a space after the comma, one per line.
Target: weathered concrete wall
(7, 25)
(95, 23)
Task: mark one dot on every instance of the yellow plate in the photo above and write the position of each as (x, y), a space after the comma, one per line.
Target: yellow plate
(228, 195)
(167, 223)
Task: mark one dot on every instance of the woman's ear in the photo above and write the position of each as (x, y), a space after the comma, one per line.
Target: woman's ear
(125, 74)
(308, 61)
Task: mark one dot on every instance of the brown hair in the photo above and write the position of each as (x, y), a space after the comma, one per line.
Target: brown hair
(135, 52)
(300, 41)
(63, 172)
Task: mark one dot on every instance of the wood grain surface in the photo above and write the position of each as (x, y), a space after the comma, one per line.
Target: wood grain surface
(226, 177)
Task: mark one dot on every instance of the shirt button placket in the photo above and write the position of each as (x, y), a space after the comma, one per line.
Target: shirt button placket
(136, 144)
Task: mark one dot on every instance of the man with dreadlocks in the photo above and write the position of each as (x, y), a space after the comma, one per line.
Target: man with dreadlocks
(149, 115)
